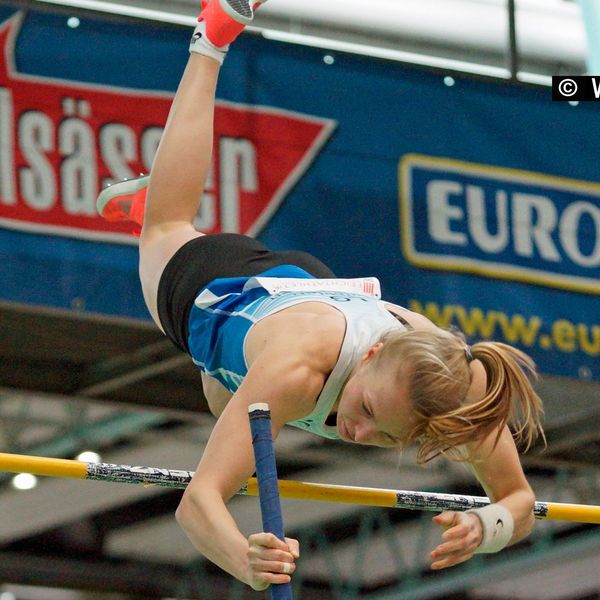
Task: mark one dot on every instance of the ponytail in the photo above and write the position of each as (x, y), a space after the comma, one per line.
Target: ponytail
(510, 397)
(436, 364)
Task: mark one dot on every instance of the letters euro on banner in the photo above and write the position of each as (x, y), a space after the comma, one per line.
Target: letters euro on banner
(500, 223)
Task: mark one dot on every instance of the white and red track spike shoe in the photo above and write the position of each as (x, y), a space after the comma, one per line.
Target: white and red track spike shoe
(226, 19)
(124, 200)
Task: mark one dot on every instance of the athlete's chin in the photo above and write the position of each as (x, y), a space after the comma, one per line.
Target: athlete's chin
(343, 431)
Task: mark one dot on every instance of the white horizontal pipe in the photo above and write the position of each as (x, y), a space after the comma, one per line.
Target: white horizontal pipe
(552, 31)
(125, 8)
(547, 30)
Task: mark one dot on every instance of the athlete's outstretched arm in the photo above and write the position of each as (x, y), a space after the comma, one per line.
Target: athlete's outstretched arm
(499, 471)
(228, 461)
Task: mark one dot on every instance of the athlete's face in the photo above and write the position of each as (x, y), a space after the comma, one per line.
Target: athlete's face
(374, 408)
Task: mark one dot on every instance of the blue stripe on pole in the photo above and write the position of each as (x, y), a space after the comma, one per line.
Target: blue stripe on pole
(268, 492)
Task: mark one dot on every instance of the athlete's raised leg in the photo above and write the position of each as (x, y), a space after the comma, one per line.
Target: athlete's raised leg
(178, 174)
(167, 208)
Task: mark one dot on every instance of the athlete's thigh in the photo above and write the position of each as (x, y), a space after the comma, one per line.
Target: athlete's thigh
(176, 265)
(157, 248)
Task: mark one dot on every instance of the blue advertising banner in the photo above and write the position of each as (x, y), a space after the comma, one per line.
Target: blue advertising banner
(475, 202)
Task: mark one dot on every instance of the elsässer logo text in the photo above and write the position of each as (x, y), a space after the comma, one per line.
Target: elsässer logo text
(62, 141)
(500, 223)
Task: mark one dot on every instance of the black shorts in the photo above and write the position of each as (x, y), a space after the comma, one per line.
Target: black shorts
(210, 257)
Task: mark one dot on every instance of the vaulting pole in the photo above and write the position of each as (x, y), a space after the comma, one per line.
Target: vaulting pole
(299, 490)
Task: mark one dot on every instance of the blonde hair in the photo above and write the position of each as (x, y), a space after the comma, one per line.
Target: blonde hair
(436, 363)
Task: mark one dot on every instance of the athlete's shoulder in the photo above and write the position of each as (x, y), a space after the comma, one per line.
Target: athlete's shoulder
(416, 320)
(312, 332)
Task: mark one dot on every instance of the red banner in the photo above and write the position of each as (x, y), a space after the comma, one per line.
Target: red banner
(62, 141)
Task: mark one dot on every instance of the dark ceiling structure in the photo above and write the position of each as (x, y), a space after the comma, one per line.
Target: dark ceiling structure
(71, 382)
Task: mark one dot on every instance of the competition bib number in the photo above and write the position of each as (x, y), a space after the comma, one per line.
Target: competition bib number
(367, 286)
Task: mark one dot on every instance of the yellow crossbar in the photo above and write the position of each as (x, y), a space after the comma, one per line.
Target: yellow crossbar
(299, 490)
(40, 465)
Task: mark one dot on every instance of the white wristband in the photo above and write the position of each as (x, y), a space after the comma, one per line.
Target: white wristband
(498, 526)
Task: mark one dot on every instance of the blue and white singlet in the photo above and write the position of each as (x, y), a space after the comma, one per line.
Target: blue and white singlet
(226, 309)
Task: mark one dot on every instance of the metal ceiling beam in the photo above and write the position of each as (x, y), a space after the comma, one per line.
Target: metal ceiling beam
(495, 568)
(139, 579)
(570, 577)
(96, 435)
(109, 375)
(147, 581)
(59, 357)
(165, 407)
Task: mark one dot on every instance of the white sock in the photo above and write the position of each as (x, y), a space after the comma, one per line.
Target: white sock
(202, 45)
